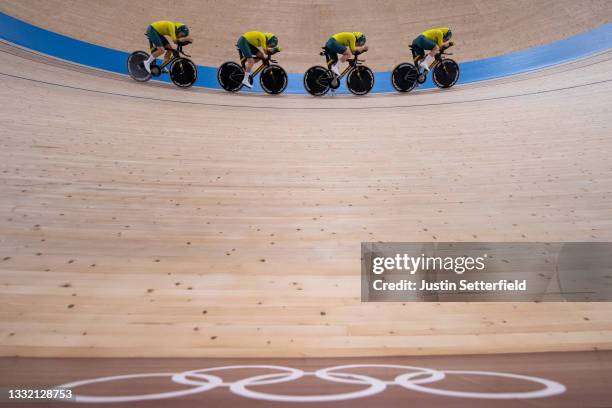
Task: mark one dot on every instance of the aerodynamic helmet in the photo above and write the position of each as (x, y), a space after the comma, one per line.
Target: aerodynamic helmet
(360, 37)
(182, 29)
(448, 35)
(271, 40)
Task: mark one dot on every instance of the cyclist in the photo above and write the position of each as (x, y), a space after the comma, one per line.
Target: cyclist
(433, 41)
(346, 44)
(158, 33)
(249, 45)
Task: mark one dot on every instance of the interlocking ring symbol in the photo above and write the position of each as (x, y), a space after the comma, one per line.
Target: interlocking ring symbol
(416, 379)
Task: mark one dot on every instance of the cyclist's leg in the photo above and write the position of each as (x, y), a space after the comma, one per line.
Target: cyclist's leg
(335, 48)
(169, 54)
(417, 52)
(346, 55)
(426, 44)
(246, 49)
(157, 46)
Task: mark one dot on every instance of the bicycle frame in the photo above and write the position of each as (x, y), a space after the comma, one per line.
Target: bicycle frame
(346, 71)
(353, 62)
(264, 63)
(176, 53)
(438, 59)
(257, 70)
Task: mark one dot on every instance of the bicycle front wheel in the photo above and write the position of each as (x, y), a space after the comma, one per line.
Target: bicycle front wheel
(446, 73)
(273, 79)
(183, 72)
(360, 80)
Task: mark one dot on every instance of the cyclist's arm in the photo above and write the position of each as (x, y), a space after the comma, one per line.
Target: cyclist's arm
(353, 44)
(360, 49)
(170, 42)
(172, 31)
(184, 40)
(439, 38)
(262, 40)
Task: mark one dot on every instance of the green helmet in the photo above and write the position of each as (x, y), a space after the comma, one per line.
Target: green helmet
(360, 38)
(271, 40)
(182, 29)
(448, 35)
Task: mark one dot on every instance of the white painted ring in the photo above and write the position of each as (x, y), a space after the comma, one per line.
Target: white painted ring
(329, 373)
(550, 387)
(290, 373)
(212, 382)
(240, 388)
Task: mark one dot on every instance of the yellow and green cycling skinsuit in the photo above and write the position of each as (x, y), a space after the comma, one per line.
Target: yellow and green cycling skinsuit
(338, 43)
(157, 30)
(168, 28)
(428, 40)
(256, 38)
(436, 35)
(250, 42)
(348, 39)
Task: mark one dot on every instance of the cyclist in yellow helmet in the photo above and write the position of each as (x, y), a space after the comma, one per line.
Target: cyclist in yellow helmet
(345, 44)
(255, 44)
(159, 33)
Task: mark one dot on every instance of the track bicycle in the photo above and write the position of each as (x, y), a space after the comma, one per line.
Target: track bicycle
(445, 72)
(183, 72)
(318, 80)
(272, 77)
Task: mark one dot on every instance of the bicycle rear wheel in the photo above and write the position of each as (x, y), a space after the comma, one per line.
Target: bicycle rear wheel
(317, 80)
(135, 66)
(446, 73)
(404, 77)
(360, 81)
(183, 72)
(273, 79)
(230, 76)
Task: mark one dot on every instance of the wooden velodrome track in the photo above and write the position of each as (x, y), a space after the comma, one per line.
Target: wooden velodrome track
(146, 221)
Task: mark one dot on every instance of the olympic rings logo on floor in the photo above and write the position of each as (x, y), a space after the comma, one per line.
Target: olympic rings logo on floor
(415, 379)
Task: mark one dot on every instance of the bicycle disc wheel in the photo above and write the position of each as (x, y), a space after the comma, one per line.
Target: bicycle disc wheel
(404, 77)
(135, 66)
(183, 72)
(446, 73)
(360, 81)
(230, 76)
(316, 80)
(273, 79)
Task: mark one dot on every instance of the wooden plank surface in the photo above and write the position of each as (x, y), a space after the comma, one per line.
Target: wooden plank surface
(142, 220)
